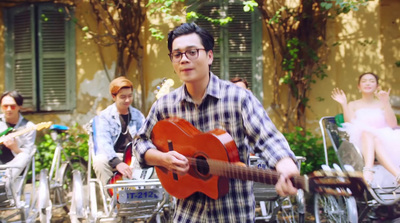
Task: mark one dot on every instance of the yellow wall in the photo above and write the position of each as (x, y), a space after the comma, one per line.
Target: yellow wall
(378, 23)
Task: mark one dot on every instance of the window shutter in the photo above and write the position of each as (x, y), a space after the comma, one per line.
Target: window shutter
(233, 43)
(212, 10)
(239, 43)
(20, 55)
(55, 92)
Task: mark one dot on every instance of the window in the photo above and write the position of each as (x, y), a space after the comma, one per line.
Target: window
(40, 56)
(238, 48)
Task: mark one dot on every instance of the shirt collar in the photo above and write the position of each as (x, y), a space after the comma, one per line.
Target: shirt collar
(213, 89)
(115, 113)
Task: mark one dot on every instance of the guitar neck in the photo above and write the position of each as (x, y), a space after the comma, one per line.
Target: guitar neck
(235, 171)
(17, 133)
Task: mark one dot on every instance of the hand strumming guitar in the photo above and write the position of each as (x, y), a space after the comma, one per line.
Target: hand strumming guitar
(171, 160)
(176, 162)
(125, 170)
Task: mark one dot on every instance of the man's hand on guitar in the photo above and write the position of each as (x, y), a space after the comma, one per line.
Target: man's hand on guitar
(12, 144)
(125, 170)
(287, 169)
(176, 162)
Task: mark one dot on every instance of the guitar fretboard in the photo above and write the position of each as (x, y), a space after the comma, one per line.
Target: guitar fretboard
(236, 171)
(25, 130)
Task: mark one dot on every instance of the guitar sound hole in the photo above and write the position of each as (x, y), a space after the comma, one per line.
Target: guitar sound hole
(202, 165)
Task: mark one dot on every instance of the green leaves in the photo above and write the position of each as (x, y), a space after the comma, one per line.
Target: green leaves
(304, 143)
(344, 6)
(74, 143)
(326, 5)
(276, 18)
(85, 29)
(191, 16)
(44, 17)
(249, 5)
(156, 33)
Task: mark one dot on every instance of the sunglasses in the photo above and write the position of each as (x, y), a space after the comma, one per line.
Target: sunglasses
(4, 107)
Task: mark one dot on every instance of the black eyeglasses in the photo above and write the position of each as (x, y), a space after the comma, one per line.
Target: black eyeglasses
(191, 54)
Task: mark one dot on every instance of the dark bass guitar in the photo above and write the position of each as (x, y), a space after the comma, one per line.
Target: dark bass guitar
(214, 158)
(138, 174)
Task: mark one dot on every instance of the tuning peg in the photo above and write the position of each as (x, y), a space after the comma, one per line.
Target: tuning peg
(349, 168)
(326, 167)
(327, 170)
(337, 168)
(344, 192)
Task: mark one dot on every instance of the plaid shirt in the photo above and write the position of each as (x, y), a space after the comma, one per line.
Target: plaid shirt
(237, 111)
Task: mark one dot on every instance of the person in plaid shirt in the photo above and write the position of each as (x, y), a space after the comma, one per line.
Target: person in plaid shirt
(209, 103)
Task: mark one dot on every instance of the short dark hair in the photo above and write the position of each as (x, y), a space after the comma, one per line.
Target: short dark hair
(375, 76)
(188, 28)
(14, 94)
(239, 79)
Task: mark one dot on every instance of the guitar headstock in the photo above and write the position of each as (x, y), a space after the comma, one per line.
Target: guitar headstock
(165, 87)
(339, 183)
(43, 125)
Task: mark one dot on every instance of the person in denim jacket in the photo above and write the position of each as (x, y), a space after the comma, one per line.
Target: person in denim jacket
(15, 151)
(115, 127)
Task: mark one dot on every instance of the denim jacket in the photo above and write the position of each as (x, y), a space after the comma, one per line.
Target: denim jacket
(26, 142)
(108, 129)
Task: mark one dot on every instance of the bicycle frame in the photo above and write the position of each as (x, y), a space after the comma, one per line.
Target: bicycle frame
(23, 203)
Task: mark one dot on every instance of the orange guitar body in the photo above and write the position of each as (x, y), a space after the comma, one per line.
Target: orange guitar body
(179, 135)
(117, 175)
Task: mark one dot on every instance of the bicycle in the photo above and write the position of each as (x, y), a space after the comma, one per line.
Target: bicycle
(56, 188)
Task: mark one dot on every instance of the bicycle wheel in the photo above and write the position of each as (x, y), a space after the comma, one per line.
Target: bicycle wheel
(334, 209)
(292, 209)
(76, 163)
(77, 208)
(44, 203)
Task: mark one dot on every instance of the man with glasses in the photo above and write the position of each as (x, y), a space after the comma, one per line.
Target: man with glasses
(115, 127)
(209, 103)
(15, 151)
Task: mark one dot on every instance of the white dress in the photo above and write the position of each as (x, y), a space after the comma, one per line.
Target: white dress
(372, 120)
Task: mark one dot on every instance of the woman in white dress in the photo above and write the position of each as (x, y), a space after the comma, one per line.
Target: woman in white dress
(370, 123)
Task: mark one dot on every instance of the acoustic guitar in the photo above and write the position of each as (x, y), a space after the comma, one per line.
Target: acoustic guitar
(214, 158)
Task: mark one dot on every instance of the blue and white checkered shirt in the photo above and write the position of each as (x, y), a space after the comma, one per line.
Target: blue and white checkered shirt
(237, 111)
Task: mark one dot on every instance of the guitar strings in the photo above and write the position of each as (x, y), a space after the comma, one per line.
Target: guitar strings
(237, 171)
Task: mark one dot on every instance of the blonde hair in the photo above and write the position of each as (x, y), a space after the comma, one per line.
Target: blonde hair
(118, 83)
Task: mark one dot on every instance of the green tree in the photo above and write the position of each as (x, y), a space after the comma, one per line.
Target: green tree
(297, 35)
